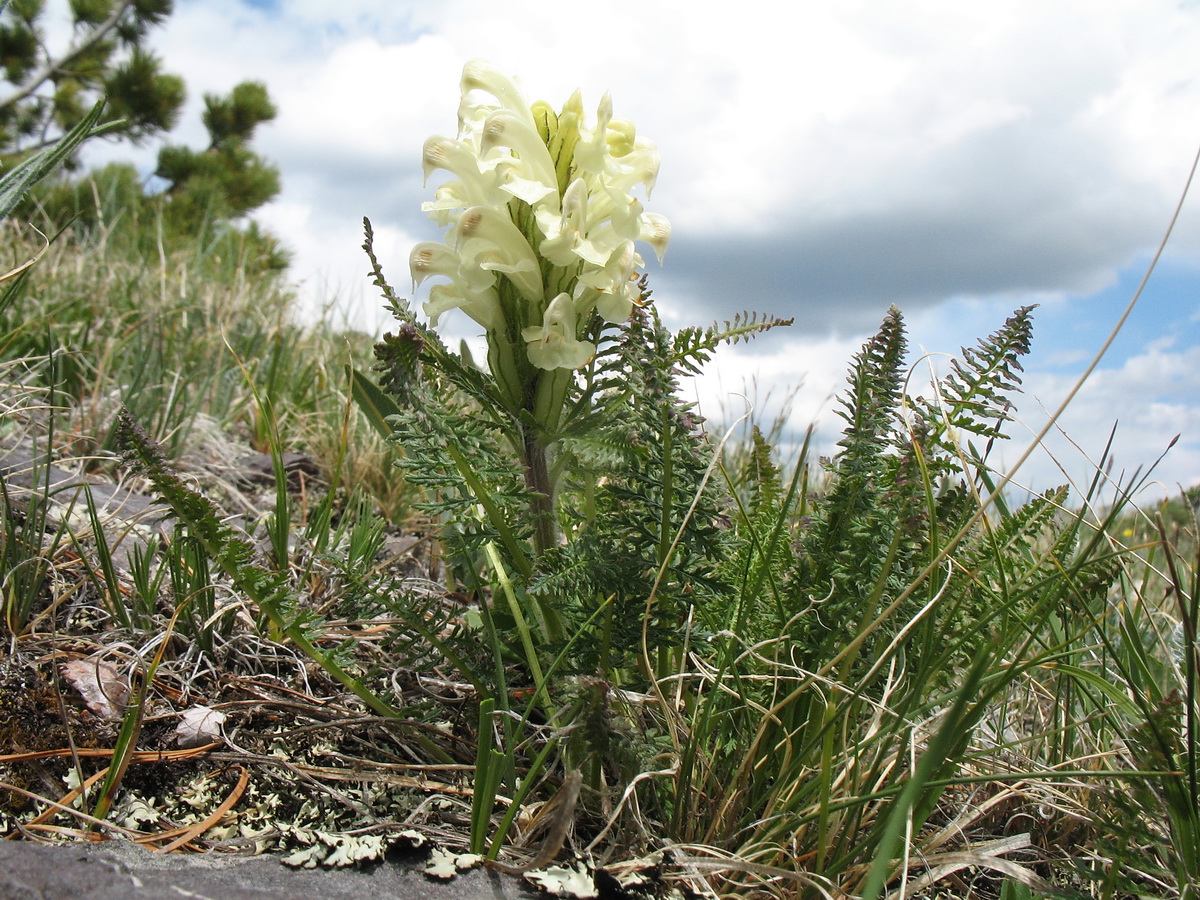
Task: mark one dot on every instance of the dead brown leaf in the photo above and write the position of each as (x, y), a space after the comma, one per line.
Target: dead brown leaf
(105, 690)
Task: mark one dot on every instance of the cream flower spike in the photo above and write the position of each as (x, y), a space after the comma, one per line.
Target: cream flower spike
(549, 203)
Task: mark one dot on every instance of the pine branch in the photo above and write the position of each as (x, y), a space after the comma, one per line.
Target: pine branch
(58, 67)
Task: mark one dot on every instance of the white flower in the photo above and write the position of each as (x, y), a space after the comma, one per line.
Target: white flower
(429, 260)
(488, 237)
(566, 240)
(527, 170)
(591, 154)
(480, 75)
(471, 288)
(482, 306)
(475, 185)
(655, 231)
(613, 289)
(552, 345)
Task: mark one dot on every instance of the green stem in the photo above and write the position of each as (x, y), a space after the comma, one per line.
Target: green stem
(502, 362)
(666, 530)
(514, 607)
(549, 396)
(606, 634)
(516, 553)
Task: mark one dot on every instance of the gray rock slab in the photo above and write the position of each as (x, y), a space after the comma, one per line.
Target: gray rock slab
(118, 870)
(26, 471)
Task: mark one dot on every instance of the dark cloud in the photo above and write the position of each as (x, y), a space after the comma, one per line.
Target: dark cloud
(1008, 213)
(841, 277)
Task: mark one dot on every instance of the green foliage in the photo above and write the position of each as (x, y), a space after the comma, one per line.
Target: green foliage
(226, 180)
(1146, 706)
(823, 625)
(644, 531)
(769, 514)
(235, 118)
(855, 534)
(26, 551)
(269, 590)
(897, 492)
(19, 180)
(642, 526)
(49, 89)
(206, 195)
(876, 622)
(29, 541)
(972, 399)
(694, 346)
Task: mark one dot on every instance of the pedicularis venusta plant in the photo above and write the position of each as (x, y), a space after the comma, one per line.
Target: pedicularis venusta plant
(568, 468)
(834, 642)
(540, 251)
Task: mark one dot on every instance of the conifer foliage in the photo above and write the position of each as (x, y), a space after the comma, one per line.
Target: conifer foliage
(227, 177)
(49, 85)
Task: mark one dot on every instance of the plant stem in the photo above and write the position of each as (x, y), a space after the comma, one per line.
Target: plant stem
(537, 479)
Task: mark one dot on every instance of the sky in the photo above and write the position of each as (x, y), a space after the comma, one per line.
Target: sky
(819, 161)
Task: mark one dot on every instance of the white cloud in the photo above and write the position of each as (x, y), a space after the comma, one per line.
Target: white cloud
(796, 375)
(360, 99)
(818, 161)
(1149, 400)
(336, 280)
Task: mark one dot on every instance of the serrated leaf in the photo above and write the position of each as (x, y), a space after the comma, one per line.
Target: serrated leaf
(22, 177)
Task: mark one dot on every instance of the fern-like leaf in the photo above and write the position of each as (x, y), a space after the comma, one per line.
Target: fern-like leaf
(692, 347)
(973, 397)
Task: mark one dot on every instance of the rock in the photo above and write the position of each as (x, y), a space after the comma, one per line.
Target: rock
(128, 517)
(118, 870)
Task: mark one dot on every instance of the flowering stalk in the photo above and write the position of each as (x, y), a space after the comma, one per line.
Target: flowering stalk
(541, 228)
